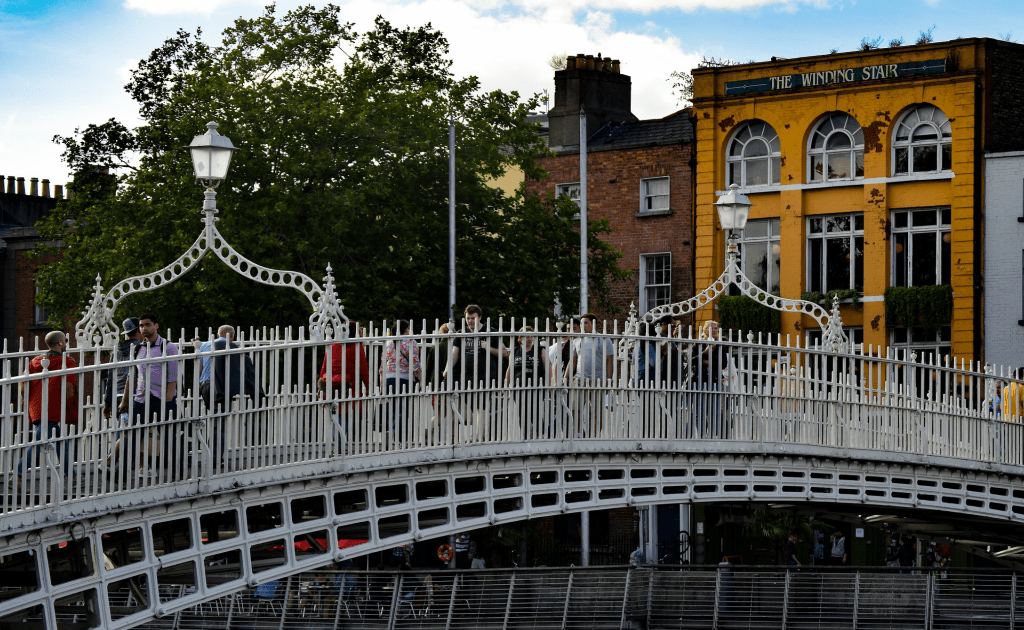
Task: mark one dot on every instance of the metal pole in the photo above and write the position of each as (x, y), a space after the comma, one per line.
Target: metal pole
(451, 217)
(585, 538)
(583, 213)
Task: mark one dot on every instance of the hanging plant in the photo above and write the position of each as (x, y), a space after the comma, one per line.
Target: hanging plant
(928, 307)
(824, 300)
(742, 313)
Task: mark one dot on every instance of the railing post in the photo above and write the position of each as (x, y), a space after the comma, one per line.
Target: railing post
(856, 598)
(508, 602)
(625, 599)
(929, 601)
(451, 602)
(565, 608)
(785, 601)
(1013, 599)
(718, 598)
(396, 597)
(284, 603)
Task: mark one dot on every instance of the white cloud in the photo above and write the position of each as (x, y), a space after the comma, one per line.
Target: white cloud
(172, 7)
(511, 52)
(206, 7)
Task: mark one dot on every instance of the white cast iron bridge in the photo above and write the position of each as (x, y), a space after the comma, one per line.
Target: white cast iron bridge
(287, 477)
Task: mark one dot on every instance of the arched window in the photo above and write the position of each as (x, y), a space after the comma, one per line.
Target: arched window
(753, 157)
(923, 142)
(836, 149)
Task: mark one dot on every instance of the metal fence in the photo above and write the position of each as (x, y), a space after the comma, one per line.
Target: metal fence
(277, 404)
(654, 598)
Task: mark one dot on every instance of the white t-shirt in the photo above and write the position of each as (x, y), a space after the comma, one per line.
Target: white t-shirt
(591, 353)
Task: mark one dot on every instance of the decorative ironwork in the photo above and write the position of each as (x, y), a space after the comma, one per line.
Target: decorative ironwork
(831, 324)
(97, 327)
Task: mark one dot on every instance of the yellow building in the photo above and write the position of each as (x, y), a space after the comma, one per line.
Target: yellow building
(866, 171)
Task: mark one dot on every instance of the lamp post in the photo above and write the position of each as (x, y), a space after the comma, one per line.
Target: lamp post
(211, 158)
(733, 210)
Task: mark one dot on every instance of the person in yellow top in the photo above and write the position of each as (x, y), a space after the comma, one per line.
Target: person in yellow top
(1013, 399)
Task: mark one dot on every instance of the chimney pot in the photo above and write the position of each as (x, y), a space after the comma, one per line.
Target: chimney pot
(10, 184)
(570, 63)
(46, 188)
(33, 188)
(21, 185)
(58, 191)
(589, 62)
(615, 66)
(3, 187)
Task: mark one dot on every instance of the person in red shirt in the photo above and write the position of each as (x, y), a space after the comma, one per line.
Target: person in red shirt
(348, 365)
(61, 401)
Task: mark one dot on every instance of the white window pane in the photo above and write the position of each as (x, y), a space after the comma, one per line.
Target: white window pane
(657, 186)
(757, 173)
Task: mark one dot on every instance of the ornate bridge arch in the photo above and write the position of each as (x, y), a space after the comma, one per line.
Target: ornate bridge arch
(269, 531)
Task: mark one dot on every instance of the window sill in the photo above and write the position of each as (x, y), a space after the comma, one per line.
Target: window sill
(653, 213)
(897, 179)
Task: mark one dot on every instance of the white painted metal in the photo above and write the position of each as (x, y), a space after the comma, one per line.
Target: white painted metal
(97, 327)
(780, 424)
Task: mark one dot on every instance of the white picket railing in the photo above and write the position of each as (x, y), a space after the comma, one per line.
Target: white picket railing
(723, 390)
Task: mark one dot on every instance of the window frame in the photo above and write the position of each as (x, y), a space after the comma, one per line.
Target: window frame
(855, 151)
(942, 230)
(644, 196)
(939, 144)
(773, 156)
(771, 239)
(852, 234)
(644, 286)
(39, 317)
(564, 188)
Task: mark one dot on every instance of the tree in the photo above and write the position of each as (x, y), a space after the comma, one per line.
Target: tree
(343, 160)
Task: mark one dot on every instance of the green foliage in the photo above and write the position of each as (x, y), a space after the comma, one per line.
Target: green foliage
(825, 299)
(745, 314)
(343, 160)
(928, 307)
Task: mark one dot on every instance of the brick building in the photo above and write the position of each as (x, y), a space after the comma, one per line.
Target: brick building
(20, 210)
(639, 178)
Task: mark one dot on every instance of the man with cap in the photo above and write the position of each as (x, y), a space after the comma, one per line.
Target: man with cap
(114, 379)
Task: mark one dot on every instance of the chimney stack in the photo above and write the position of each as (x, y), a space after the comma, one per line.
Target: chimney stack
(591, 83)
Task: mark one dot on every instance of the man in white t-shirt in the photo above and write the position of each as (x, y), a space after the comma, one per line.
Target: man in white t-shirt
(592, 365)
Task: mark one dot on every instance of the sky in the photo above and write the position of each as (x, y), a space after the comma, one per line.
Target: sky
(64, 63)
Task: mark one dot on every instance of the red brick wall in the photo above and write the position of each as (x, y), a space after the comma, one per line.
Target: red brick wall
(613, 193)
(24, 313)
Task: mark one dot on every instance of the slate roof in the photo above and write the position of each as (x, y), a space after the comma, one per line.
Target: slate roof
(673, 129)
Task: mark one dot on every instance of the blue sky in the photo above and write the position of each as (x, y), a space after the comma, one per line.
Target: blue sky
(63, 64)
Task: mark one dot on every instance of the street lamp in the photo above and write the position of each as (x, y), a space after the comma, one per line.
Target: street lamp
(733, 210)
(211, 156)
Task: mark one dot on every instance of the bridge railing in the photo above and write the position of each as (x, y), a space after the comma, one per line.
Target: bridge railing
(654, 597)
(277, 407)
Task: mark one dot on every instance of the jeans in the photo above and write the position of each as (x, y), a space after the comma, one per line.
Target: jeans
(53, 431)
(159, 411)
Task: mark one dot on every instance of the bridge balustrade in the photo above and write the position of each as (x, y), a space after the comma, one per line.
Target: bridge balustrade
(269, 418)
